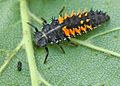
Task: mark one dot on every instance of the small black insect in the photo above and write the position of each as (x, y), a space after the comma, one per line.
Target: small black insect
(19, 66)
(69, 26)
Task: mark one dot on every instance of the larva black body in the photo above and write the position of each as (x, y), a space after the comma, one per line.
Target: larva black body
(68, 26)
(62, 28)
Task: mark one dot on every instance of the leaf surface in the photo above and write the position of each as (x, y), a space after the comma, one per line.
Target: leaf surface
(79, 65)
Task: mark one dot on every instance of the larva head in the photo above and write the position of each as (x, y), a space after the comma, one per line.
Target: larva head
(39, 36)
(40, 39)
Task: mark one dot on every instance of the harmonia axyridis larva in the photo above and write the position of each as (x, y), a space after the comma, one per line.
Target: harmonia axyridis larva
(69, 26)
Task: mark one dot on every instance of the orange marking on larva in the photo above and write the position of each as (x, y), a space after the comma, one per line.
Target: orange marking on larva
(77, 30)
(81, 22)
(66, 16)
(83, 29)
(66, 31)
(72, 32)
(60, 19)
(73, 13)
(86, 14)
(89, 27)
(80, 16)
(87, 20)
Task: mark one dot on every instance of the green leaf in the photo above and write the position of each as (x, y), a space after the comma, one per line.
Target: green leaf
(95, 62)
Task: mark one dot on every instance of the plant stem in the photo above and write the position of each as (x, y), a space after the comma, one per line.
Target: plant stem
(87, 44)
(28, 42)
(43, 80)
(103, 33)
(36, 18)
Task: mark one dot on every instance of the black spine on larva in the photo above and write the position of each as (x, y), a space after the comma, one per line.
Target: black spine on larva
(97, 17)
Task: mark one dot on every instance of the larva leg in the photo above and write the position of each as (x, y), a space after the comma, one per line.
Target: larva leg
(72, 43)
(47, 53)
(60, 13)
(36, 29)
(61, 48)
(44, 21)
